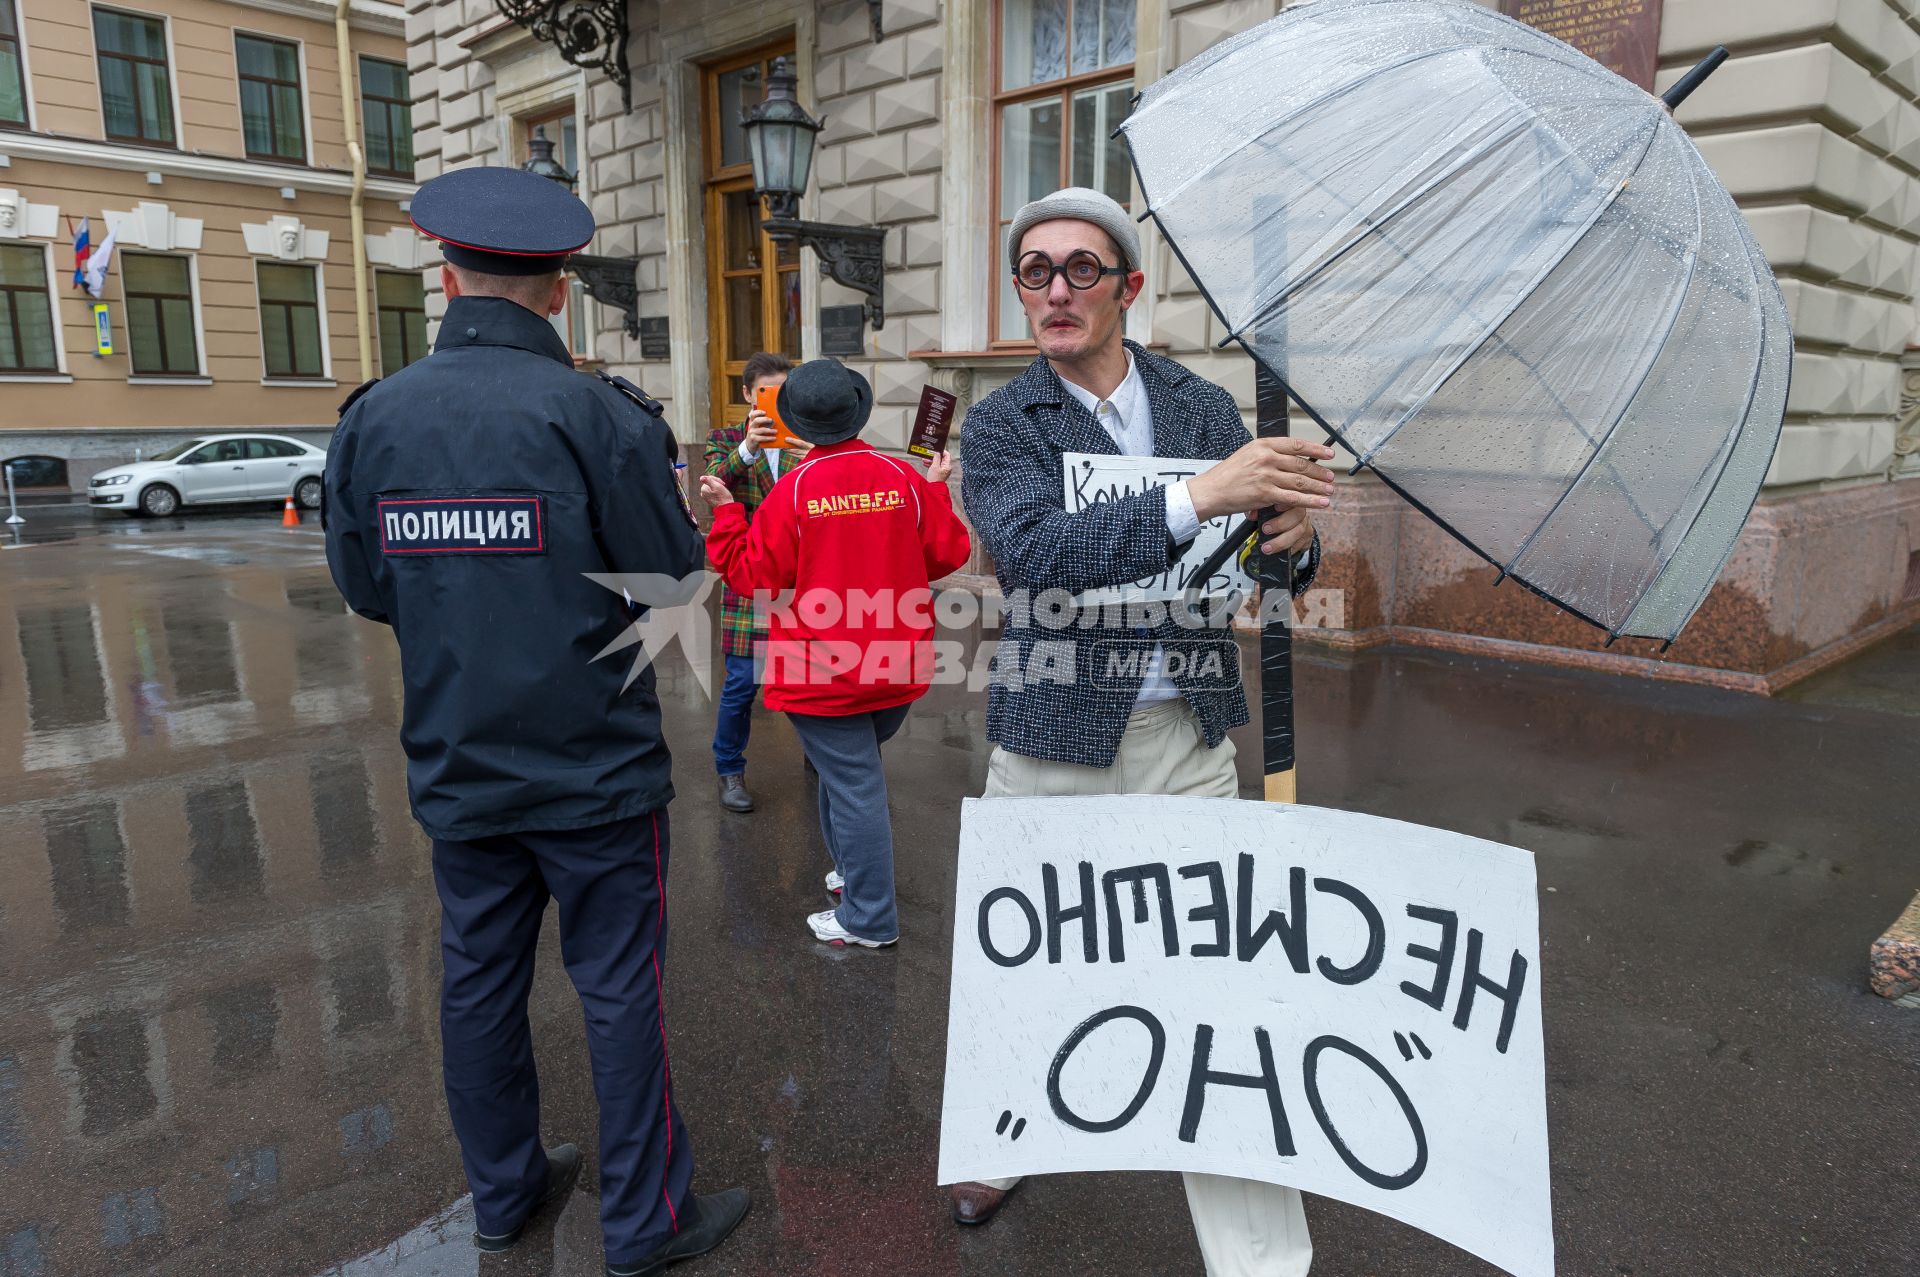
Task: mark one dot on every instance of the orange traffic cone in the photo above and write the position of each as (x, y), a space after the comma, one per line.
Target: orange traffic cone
(290, 517)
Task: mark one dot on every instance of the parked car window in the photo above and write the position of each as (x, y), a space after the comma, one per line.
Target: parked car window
(266, 449)
(176, 452)
(224, 450)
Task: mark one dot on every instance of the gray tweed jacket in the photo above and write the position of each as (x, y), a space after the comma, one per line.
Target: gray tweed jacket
(1011, 482)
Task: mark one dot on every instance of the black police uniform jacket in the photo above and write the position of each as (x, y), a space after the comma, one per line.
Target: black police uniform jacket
(466, 498)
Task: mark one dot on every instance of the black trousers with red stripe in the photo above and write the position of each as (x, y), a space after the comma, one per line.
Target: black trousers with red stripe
(610, 884)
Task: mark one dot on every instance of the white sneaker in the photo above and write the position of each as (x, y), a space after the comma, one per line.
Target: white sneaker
(835, 883)
(825, 925)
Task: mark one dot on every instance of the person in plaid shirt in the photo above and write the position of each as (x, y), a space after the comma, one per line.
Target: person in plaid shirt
(739, 457)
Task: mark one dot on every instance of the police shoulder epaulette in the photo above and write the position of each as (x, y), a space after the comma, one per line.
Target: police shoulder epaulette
(634, 393)
(358, 390)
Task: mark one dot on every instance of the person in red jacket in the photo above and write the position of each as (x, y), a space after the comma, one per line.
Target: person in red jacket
(858, 536)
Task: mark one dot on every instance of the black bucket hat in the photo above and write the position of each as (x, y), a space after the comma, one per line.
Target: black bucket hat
(824, 401)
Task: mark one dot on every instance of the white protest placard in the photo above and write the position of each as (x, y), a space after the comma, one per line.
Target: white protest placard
(1092, 477)
(1342, 1003)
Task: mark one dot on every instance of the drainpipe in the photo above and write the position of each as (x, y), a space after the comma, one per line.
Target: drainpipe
(357, 201)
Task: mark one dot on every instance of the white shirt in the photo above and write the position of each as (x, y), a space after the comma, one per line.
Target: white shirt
(1128, 420)
(750, 454)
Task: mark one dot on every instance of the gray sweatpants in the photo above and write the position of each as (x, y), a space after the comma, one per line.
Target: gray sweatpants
(845, 750)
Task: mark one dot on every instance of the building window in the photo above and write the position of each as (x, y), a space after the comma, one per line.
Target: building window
(1063, 71)
(13, 76)
(402, 302)
(270, 114)
(134, 88)
(386, 116)
(290, 321)
(160, 336)
(27, 332)
(38, 472)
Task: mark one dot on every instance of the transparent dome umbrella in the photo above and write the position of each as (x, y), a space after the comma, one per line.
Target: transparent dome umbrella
(1498, 273)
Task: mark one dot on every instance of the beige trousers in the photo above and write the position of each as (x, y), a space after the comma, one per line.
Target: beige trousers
(1247, 1228)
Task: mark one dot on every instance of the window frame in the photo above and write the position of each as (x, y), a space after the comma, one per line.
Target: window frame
(18, 41)
(192, 298)
(53, 310)
(305, 159)
(718, 182)
(379, 309)
(388, 104)
(1061, 90)
(185, 458)
(166, 64)
(319, 304)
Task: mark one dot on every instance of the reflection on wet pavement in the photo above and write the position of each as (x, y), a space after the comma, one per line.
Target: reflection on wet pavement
(218, 1026)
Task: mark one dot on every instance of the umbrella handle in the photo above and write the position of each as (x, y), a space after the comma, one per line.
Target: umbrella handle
(1227, 549)
(1679, 90)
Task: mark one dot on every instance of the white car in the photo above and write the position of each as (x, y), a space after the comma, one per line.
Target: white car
(213, 470)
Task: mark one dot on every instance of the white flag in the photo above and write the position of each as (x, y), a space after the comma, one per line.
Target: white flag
(98, 262)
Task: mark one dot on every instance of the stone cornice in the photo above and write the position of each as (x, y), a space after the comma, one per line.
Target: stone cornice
(362, 15)
(146, 159)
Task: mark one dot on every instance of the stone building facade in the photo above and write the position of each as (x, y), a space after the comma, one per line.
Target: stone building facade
(211, 135)
(937, 114)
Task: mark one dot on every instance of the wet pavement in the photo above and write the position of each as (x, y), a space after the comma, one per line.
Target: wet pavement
(218, 1034)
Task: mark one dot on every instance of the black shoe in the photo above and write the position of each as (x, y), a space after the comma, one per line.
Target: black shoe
(714, 1216)
(563, 1168)
(734, 795)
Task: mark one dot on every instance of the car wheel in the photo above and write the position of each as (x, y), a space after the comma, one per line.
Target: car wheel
(159, 501)
(307, 493)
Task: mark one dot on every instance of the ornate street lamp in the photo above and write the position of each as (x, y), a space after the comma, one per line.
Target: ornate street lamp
(611, 281)
(540, 161)
(780, 137)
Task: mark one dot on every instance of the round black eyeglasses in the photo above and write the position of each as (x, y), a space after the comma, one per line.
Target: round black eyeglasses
(1082, 269)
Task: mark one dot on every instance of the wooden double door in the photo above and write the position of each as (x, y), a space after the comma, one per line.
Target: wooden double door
(753, 283)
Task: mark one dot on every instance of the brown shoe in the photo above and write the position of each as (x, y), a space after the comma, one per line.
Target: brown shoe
(975, 1203)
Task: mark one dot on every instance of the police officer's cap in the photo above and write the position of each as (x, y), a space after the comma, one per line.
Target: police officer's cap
(502, 221)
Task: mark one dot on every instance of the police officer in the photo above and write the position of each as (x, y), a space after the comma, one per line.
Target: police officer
(466, 497)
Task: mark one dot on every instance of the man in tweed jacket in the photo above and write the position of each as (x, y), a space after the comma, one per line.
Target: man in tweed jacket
(738, 457)
(1064, 718)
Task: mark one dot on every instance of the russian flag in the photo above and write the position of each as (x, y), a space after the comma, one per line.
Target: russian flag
(80, 255)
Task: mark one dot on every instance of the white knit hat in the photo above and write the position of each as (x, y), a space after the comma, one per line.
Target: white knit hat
(1082, 204)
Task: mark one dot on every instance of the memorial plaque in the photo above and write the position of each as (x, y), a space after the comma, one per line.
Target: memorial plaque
(1621, 35)
(843, 330)
(654, 342)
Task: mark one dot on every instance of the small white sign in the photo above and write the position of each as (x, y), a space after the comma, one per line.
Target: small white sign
(1339, 1002)
(1092, 477)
